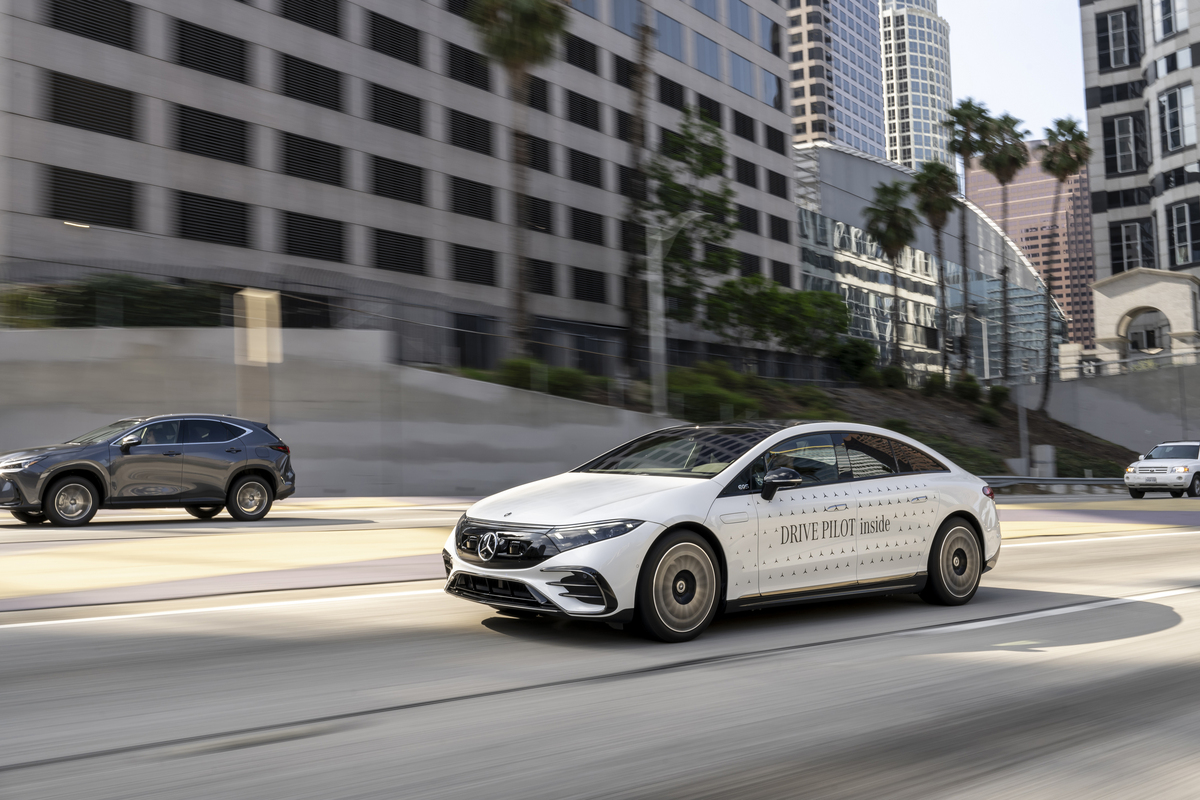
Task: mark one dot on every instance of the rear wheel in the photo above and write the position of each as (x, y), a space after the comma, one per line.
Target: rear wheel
(955, 565)
(203, 512)
(30, 517)
(71, 501)
(679, 588)
(249, 499)
(1136, 494)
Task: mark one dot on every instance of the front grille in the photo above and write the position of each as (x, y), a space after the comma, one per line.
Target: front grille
(518, 546)
(495, 590)
(1151, 470)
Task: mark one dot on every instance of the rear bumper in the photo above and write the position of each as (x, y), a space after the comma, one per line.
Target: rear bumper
(285, 491)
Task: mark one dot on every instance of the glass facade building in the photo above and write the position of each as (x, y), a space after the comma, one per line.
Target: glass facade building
(916, 85)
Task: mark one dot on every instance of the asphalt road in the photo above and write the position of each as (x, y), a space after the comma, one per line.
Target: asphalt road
(1073, 674)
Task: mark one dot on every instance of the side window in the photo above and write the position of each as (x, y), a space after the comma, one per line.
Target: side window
(813, 456)
(205, 431)
(870, 455)
(910, 459)
(749, 481)
(160, 433)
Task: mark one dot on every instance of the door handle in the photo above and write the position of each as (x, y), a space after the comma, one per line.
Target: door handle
(837, 507)
(172, 453)
(920, 499)
(233, 450)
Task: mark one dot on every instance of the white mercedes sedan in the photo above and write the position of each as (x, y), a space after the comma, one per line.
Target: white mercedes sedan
(674, 527)
(1169, 467)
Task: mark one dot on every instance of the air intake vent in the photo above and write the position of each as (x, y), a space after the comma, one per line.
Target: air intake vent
(91, 106)
(320, 14)
(210, 51)
(394, 38)
(398, 180)
(400, 252)
(467, 66)
(312, 159)
(204, 133)
(312, 83)
(212, 219)
(396, 109)
(313, 237)
(93, 199)
(108, 21)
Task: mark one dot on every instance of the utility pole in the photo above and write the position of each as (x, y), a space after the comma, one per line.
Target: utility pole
(660, 238)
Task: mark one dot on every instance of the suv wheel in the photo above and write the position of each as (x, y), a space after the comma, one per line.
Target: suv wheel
(1136, 494)
(679, 588)
(203, 512)
(249, 498)
(30, 517)
(71, 501)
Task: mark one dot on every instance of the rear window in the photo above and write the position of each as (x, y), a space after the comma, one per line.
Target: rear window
(910, 459)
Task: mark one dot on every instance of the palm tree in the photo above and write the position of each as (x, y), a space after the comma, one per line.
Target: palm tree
(968, 123)
(520, 35)
(1064, 154)
(935, 188)
(1005, 154)
(893, 225)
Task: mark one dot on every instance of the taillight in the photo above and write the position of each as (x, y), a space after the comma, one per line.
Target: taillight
(987, 490)
(281, 447)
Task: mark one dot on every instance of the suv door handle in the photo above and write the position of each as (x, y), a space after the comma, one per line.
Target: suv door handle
(233, 450)
(172, 453)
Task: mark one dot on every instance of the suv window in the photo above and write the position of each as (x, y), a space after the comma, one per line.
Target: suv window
(910, 459)
(160, 432)
(208, 431)
(870, 455)
(813, 456)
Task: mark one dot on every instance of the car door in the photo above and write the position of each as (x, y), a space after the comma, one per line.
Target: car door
(897, 510)
(733, 517)
(807, 536)
(212, 452)
(150, 470)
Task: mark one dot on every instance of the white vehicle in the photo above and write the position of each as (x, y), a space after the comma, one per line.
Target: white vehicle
(676, 526)
(1170, 467)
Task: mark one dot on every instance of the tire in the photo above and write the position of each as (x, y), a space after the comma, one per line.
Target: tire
(1136, 494)
(955, 565)
(71, 501)
(1177, 492)
(1193, 489)
(249, 498)
(204, 512)
(679, 589)
(30, 517)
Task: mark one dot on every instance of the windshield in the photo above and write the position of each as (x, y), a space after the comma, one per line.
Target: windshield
(683, 452)
(1188, 451)
(108, 431)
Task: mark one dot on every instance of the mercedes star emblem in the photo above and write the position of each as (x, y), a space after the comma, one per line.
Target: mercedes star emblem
(488, 545)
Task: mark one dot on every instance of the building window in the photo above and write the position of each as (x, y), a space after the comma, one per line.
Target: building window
(669, 36)
(92, 106)
(210, 51)
(312, 159)
(204, 133)
(386, 35)
(588, 285)
(539, 153)
(747, 219)
(624, 125)
(631, 183)
(1131, 244)
(770, 37)
(623, 71)
(1183, 233)
(583, 110)
(399, 252)
(539, 215)
(397, 180)
(538, 94)
(1117, 38)
(468, 67)
(212, 219)
(93, 199)
(708, 56)
(470, 133)
(670, 93)
(745, 172)
(626, 16)
(313, 237)
(781, 273)
(320, 14)
(743, 126)
(777, 184)
(707, 7)
(709, 109)
(474, 265)
(585, 168)
(671, 144)
(776, 140)
(749, 264)
(396, 109)
(1126, 146)
(587, 226)
(541, 276)
(633, 237)
(312, 83)
(471, 198)
(1126, 161)
(741, 72)
(585, 7)
(1177, 118)
(108, 21)
(780, 230)
(1170, 17)
(581, 53)
(772, 89)
(739, 18)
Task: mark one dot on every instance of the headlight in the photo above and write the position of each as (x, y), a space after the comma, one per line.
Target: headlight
(1180, 469)
(18, 464)
(1130, 469)
(579, 535)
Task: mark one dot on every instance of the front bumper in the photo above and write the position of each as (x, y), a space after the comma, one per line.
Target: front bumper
(16, 497)
(1159, 482)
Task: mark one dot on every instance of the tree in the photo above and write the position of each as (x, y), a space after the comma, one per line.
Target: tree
(935, 187)
(687, 173)
(743, 311)
(810, 322)
(520, 35)
(1064, 154)
(968, 123)
(893, 225)
(1005, 154)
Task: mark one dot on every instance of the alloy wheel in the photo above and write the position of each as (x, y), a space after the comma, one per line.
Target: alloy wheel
(960, 561)
(684, 587)
(251, 497)
(73, 501)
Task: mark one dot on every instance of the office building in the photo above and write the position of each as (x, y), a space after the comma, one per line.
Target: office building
(916, 86)
(1033, 226)
(836, 81)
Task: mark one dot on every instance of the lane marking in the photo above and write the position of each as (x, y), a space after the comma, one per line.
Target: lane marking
(1099, 539)
(239, 607)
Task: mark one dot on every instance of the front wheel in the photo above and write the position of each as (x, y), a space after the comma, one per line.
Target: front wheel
(955, 565)
(679, 588)
(30, 517)
(203, 512)
(1193, 489)
(1136, 494)
(1177, 492)
(249, 499)
(71, 501)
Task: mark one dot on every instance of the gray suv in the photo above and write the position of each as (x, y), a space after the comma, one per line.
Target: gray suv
(201, 462)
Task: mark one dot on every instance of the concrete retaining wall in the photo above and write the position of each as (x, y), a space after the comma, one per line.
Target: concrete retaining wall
(357, 424)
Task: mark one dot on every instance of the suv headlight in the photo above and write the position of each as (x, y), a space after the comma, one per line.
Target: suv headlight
(1130, 469)
(1180, 469)
(18, 464)
(572, 536)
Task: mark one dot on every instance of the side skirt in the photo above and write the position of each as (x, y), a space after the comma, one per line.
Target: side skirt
(911, 584)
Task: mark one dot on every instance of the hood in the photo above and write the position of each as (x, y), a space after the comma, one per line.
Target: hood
(29, 452)
(1163, 462)
(579, 497)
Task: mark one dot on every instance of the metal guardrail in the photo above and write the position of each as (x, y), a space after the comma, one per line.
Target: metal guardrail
(1001, 481)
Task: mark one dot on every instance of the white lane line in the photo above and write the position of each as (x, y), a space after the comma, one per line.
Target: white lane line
(1052, 612)
(1003, 545)
(240, 607)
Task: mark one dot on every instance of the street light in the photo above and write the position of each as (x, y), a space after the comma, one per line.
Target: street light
(660, 238)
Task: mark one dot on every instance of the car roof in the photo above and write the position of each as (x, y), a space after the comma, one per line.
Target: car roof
(1160, 444)
(763, 425)
(221, 417)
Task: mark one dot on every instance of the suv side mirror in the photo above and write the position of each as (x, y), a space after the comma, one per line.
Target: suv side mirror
(1141, 458)
(129, 441)
(780, 478)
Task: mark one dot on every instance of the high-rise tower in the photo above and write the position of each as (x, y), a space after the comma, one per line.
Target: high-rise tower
(916, 85)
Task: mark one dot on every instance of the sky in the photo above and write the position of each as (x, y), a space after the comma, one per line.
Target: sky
(1020, 56)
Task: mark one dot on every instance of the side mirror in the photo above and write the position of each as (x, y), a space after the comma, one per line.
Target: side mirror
(129, 441)
(1141, 458)
(780, 478)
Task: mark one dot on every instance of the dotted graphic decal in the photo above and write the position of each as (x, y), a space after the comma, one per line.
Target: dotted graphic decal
(897, 520)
